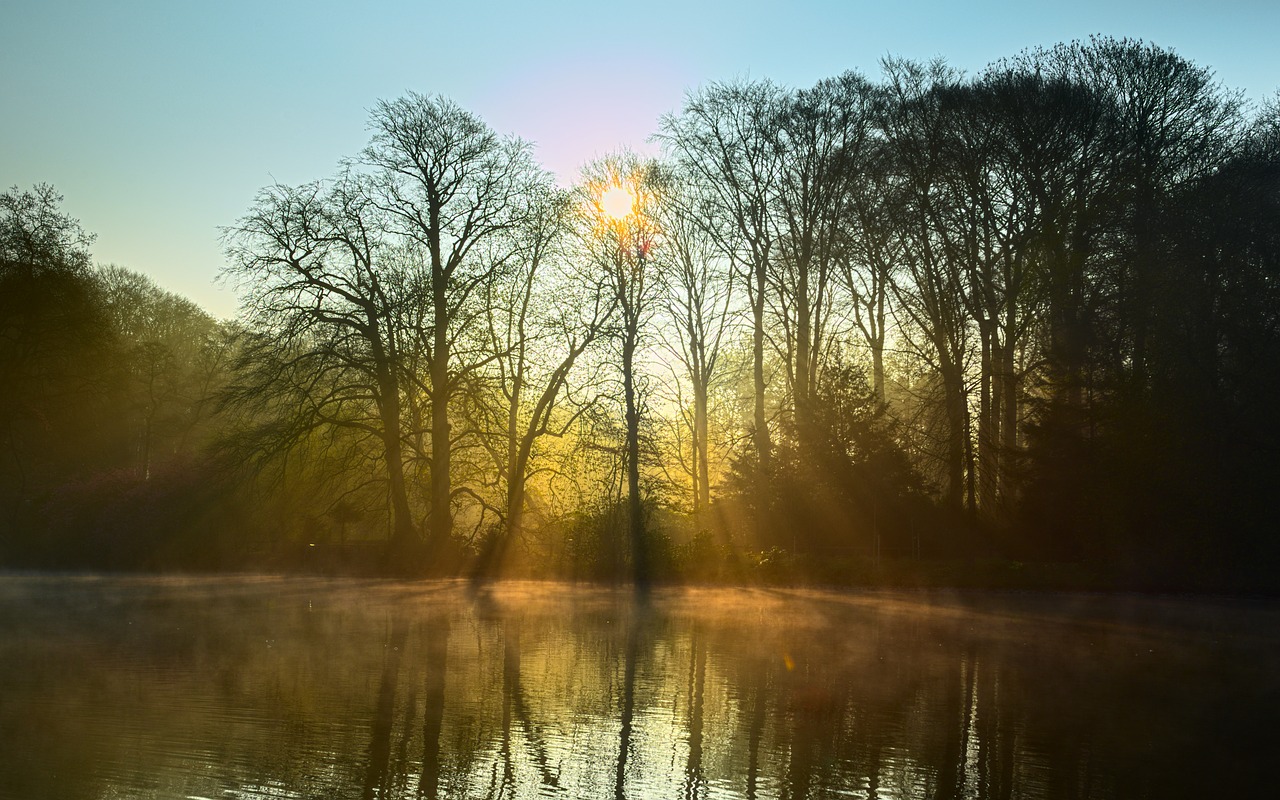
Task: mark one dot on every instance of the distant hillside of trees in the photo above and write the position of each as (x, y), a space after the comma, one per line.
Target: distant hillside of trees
(1015, 328)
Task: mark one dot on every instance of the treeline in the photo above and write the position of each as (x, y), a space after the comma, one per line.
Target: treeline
(107, 411)
(1027, 315)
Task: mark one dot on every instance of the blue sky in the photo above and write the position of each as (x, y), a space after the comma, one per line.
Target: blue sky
(159, 121)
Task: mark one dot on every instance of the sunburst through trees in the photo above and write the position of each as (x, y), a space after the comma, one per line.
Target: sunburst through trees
(1027, 314)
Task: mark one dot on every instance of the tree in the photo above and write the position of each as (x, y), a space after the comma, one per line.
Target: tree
(1173, 124)
(324, 299)
(37, 238)
(821, 134)
(1006, 153)
(930, 295)
(1138, 288)
(623, 195)
(872, 252)
(698, 283)
(62, 378)
(177, 358)
(542, 316)
(450, 184)
(723, 139)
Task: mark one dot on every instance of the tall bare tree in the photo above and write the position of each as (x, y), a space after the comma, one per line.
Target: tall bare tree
(820, 134)
(872, 251)
(699, 293)
(623, 195)
(320, 299)
(724, 139)
(448, 182)
(542, 317)
(929, 294)
(176, 356)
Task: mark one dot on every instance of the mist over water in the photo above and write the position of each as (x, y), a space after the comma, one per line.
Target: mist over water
(162, 688)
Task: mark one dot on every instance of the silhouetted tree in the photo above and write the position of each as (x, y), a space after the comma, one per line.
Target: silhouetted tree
(930, 292)
(871, 251)
(619, 242)
(699, 293)
(177, 358)
(542, 316)
(324, 296)
(819, 134)
(724, 139)
(451, 185)
(59, 357)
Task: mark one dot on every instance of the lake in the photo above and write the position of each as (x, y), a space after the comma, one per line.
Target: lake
(314, 688)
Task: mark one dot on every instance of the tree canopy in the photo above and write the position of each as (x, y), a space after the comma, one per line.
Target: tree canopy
(1027, 314)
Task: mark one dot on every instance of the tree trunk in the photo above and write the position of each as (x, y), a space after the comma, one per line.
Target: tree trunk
(761, 432)
(880, 287)
(957, 428)
(877, 369)
(515, 507)
(702, 490)
(804, 334)
(517, 484)
(390, 417)
(635, 519)
(441, 446)
(1009, 425)
(515, 467)
(986, 419)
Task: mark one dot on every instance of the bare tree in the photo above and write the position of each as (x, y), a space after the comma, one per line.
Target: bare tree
(622, 197)
(698, 284)
(542, 317)
(723, 139)
(448, 182)
(820, 134)
(1174, 124)
(872, 251)
(320, 298)
(930, 294)
(176, 355)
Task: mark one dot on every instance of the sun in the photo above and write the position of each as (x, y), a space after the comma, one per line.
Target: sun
(617, 202)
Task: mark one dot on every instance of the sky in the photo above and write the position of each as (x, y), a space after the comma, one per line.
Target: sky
(159, 121)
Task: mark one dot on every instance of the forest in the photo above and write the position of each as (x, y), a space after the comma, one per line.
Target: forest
(1016, 329)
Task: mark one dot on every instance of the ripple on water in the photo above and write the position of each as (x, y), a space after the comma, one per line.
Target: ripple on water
(218, 688)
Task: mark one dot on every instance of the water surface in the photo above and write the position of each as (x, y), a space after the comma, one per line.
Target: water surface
(217, 688)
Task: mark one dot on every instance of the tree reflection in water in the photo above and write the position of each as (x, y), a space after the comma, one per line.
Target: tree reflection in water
(628, 701)
(694, 782)
(375, 781)
(306, 689)
(435, 659)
